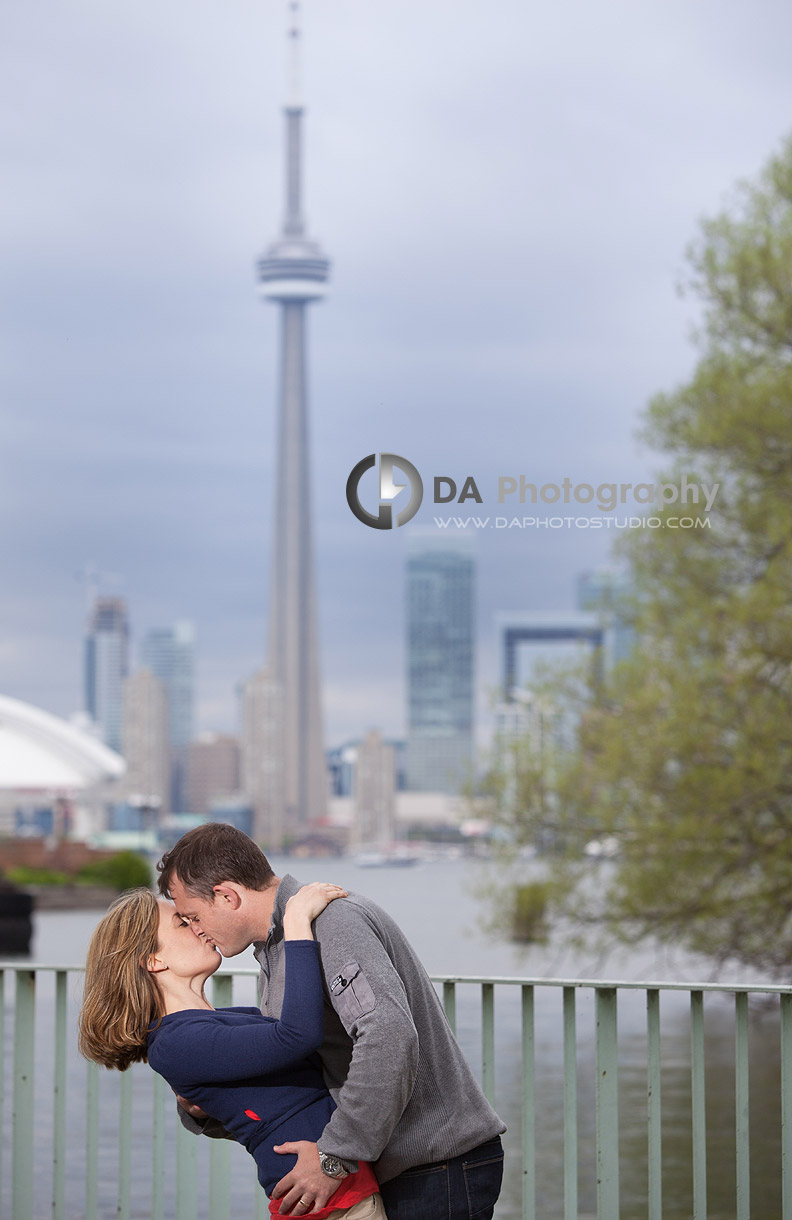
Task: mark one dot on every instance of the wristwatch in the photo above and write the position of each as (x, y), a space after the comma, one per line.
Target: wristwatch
(333, 1166)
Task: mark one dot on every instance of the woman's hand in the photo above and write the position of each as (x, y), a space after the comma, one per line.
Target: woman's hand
(305, 905)
(191, 1108)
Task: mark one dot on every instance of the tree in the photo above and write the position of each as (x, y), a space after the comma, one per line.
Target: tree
(684, 753)
(123, 871)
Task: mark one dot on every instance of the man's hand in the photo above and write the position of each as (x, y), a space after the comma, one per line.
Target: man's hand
(306, 1188)
(195, 1111)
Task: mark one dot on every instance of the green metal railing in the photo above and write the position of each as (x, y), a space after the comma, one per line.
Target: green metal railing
(79, 1141)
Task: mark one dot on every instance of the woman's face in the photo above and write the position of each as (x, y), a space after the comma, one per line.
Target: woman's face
(185, 954)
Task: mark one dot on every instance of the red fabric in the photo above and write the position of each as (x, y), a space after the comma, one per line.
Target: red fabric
(354, 1189)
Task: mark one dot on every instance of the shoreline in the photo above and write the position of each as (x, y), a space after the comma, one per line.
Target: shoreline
(70, 897)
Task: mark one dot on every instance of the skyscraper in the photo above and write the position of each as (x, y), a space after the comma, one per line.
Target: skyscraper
(145, 739)
(440, 662)
(169, 652)
(375, 791)
(106, 664)
(292, 273)
(262, 756)
(609, 594)
(212, 770)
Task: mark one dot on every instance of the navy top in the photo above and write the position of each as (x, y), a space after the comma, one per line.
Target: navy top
(258, 1076)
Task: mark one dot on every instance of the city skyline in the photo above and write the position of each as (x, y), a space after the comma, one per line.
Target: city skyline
(509, 198)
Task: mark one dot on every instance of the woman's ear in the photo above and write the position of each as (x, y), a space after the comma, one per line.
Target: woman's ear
(153, 963)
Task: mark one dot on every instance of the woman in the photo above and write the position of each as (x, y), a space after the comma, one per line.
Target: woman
(144, 1000)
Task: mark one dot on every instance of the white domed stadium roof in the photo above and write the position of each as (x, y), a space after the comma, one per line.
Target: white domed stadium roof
(40, 751)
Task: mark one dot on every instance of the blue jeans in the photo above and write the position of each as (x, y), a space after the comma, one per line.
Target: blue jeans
(464, 1188)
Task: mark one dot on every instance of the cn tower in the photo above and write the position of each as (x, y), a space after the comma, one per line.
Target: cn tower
(292, 273)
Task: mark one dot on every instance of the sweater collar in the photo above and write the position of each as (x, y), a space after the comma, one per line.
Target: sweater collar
(287, 888)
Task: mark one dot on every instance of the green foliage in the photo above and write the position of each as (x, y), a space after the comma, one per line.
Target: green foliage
(124, 871)
(529, 912)
(685, 753)
(36, 876)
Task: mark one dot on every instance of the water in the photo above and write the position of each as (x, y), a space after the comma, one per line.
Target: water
(440, 907)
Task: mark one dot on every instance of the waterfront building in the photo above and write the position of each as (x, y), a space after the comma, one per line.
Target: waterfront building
(440, 662)
(530, 642)
(340, 764)
(48, 763)
(341, 761)
(106, 665)
(212, 770)
(375, 791)
(234, 810)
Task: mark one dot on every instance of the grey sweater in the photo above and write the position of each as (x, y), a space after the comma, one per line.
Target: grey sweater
(404, 1091)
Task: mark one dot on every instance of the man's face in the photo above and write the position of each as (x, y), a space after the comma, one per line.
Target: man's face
(221, 922)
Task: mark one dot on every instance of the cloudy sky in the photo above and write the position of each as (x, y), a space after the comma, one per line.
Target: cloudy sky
(506, 192)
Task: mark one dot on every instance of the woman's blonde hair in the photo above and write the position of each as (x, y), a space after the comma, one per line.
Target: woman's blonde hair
(121, 996)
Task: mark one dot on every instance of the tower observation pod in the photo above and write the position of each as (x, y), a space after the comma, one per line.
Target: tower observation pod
(294, 267)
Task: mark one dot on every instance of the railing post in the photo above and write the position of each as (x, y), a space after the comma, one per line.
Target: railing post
(786, 1107)
(125, 1145)
(488, 1041)
(162, 1098)
(24, 1049)
(92, 1141)
(2, 1063)
(607, 1106)
(528, 1105)
(220, 1151)
(59, 1099)
(654, 1105)
(570, 1107)
(697, 1090)
(449, 1002)
(741, 1098)
(186, 1180)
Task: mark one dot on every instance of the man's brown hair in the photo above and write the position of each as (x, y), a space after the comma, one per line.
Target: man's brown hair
(211, 854)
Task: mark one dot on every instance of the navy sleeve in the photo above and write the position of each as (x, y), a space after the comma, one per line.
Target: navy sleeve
(203, 1052)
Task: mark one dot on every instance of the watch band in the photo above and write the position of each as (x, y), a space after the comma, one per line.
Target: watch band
(333, 1166)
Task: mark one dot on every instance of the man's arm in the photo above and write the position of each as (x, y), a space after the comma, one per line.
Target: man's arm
(370, 999)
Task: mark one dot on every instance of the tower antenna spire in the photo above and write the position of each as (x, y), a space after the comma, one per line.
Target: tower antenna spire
(293, 94)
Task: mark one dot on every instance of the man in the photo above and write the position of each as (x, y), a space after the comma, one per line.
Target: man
(406, 1098)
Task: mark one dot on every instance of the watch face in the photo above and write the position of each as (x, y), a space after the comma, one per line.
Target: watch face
(332, 1166)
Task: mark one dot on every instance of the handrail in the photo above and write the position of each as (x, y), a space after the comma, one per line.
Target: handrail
(555, 1066)
(507, 980)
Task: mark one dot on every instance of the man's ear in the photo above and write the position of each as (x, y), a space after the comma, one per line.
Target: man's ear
(228, 894)
(153, 964)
